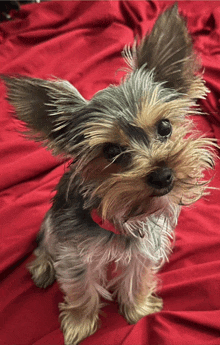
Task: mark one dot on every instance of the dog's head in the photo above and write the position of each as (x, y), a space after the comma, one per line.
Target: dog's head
(134, 145)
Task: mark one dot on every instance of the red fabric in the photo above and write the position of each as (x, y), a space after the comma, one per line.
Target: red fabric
(82, 41)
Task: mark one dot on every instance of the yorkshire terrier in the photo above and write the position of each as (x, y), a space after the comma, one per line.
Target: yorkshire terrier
(137, 158)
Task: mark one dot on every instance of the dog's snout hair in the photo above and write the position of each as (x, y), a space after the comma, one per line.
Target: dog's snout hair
(136, 159)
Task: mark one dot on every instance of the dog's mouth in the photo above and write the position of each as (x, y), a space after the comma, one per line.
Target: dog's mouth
(126, 208)
(139, 217)
(162, 191)
(156, 206)
(155, 203)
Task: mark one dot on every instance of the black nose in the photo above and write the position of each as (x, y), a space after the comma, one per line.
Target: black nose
(160, 178)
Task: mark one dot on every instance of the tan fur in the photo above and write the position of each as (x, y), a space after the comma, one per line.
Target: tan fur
(151, 304)
(137, 159)
(102, 132)
(187, 154)
(75, 325)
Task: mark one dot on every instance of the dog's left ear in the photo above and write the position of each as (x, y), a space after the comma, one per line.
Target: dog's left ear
(54, 111)
(168, 50)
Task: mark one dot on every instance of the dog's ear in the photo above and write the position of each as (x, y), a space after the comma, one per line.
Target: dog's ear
(168, 49)
(54, 111)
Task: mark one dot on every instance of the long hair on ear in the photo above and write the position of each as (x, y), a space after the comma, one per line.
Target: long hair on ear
(54, 111)
(168, 51)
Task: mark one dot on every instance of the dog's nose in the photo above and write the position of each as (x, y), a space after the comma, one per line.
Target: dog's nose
(160, 178)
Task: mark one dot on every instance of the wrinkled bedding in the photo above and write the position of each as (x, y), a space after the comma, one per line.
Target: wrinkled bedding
(81, 41)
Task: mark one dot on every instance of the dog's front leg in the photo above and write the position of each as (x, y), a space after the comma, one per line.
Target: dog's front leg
(135, 291)
(80, 283)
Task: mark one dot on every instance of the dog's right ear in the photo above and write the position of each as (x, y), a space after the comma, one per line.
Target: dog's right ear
(54, 111)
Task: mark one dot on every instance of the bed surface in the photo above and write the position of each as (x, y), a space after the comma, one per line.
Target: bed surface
(81, 42)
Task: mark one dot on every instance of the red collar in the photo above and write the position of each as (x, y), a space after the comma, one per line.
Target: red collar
(103, 224)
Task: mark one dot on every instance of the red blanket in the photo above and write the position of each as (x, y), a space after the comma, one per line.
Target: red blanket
(82, 41)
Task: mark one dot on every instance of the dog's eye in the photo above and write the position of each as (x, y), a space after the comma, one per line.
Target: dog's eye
(111, 151)
(164, 128)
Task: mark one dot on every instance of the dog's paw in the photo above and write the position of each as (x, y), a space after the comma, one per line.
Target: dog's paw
(75, 325)
(133, 313)
(42, 270)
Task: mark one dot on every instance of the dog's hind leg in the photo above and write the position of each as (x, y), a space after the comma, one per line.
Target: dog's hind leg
(42, 268)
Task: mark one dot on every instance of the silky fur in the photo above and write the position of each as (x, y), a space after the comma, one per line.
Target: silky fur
(162, 83)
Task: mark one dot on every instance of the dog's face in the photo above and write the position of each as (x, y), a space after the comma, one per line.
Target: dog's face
(135, 147)
(145, 153)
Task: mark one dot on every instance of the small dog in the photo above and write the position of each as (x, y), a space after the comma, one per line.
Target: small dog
(137, 160)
